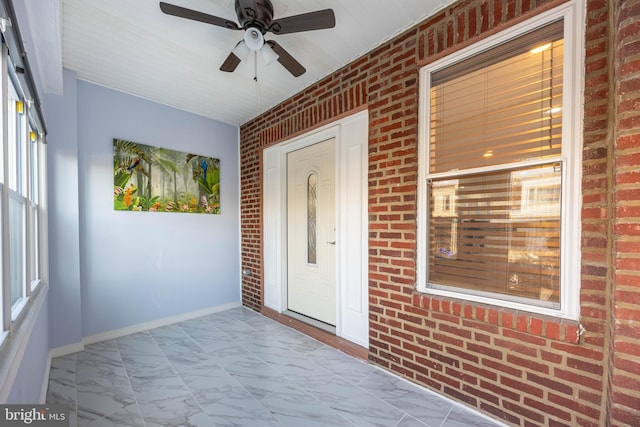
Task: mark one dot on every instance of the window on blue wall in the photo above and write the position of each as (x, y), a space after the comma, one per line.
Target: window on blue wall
(23, 230)
(22, 148)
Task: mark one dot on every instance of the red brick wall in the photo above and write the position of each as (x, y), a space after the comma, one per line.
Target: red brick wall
(526, 370)
(596, 229)
(625, 361)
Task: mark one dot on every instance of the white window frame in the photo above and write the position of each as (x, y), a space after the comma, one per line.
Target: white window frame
(17, 323)
(15, 134)
(5, 288)
(32, 201)
(17, 124)
(573, 15)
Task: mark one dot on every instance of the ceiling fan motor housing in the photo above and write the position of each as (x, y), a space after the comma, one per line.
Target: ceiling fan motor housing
(255, 13)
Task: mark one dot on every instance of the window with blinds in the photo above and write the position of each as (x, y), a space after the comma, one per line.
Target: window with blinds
(495, 171)
(501, 106)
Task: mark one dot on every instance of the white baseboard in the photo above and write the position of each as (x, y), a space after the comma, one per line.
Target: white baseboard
(66, 350)
(117, 333)
(141, 327)
(45, 381)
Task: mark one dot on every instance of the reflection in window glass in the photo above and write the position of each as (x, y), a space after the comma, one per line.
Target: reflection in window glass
(13, 158)
(501, 233)
(16, 248)
(34, 256)
(33, 166)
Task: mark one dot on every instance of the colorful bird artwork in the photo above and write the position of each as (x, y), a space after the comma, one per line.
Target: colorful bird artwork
(165, 180)
(133, 165)
(204, 169)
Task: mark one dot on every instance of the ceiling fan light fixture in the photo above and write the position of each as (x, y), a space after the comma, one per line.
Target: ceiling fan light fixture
(253, 39)
(268, 55)
(241, 50)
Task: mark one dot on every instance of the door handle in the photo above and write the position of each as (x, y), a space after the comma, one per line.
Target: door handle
(332, 243)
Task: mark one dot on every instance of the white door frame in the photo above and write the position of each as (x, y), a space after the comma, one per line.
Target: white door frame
(351, 165)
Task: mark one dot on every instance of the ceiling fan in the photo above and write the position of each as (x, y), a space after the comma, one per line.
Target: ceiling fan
(256, 19)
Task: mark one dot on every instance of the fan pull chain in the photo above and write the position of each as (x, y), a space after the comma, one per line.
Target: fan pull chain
(255, 79)
(255, 66)
(258, 97)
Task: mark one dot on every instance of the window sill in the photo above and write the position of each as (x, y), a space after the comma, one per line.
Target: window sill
(17, 309)
(15, 343)
(529, 327)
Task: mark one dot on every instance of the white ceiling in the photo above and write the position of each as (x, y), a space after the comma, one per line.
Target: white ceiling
(131, 46)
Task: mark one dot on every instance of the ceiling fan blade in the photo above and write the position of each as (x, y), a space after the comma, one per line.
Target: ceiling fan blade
(318, 20)
(182, 12)
(230, 64)
(287, 61)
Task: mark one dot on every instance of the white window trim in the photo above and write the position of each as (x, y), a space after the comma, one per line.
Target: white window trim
(573, 13)
(14, 316)
(6, 277)
(18, 320)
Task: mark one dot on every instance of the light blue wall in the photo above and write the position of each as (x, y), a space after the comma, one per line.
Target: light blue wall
(109, 270)
(65, 321)
(27, 386)
(138, 267)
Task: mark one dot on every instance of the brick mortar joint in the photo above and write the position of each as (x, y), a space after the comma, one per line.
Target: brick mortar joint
(612, 68)
(537, 325)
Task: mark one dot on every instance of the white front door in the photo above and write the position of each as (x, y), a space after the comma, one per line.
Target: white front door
(311, 233)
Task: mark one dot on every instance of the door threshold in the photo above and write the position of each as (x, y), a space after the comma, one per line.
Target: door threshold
(311, 321)
(321, 335)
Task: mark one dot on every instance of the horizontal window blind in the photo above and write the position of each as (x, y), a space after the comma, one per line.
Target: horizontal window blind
(498, 232)
(523, 44)
(500, 106)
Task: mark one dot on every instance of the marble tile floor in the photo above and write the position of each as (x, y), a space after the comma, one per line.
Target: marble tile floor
(238, 368)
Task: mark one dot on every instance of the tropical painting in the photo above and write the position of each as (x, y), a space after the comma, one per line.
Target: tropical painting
(153, 179)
